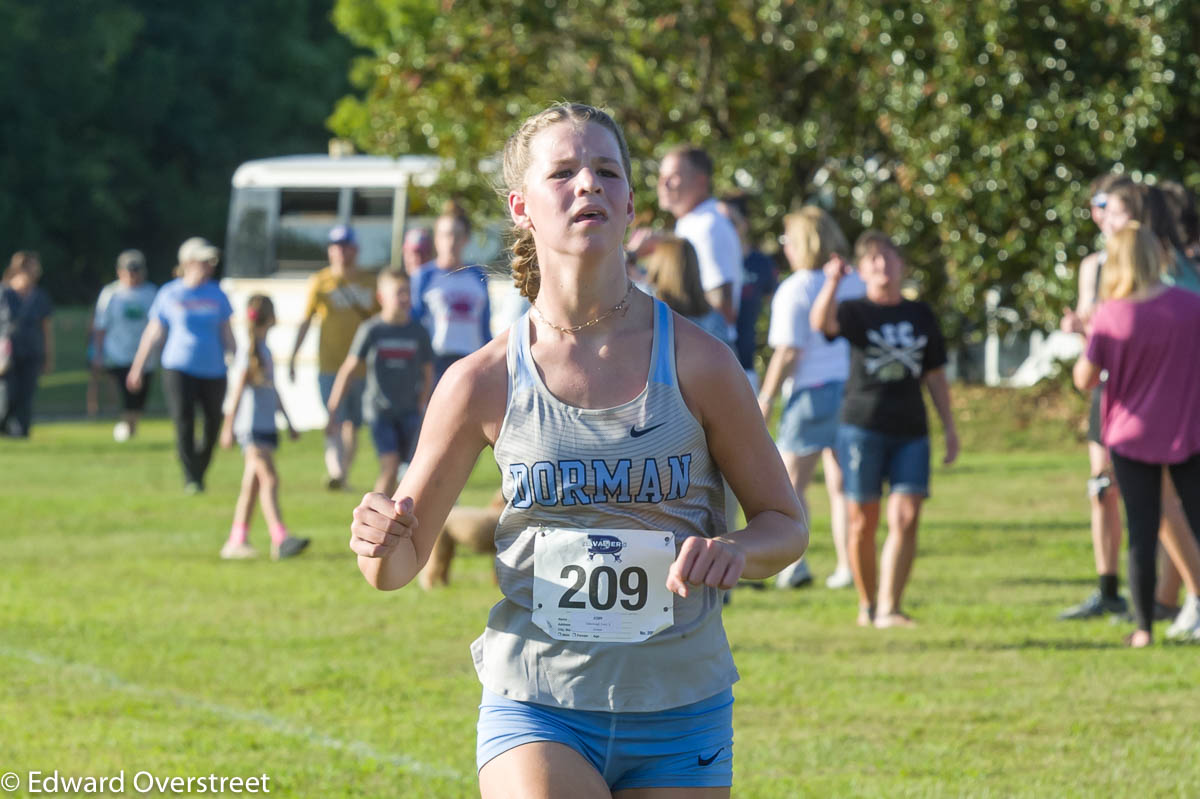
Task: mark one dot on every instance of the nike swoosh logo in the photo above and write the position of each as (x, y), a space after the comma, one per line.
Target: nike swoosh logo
(635, 433)
(708, 761)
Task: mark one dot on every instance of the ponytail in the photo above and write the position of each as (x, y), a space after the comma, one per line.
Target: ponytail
(525, 264)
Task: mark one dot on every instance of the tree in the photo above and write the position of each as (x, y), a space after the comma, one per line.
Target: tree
(968, 131)
(126, 118)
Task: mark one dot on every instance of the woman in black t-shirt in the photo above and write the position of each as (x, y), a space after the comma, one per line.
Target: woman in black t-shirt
(896, 347)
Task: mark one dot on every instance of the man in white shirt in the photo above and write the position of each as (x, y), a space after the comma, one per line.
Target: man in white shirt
(685, 191)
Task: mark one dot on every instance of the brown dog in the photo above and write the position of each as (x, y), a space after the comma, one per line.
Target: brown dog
(474, 528)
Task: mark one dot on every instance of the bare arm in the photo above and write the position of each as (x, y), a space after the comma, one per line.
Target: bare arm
(1076, 321)
(426, 387)
(152, 336)
(776, 532)
(239, 385)
(339, 386)
(939, 392)
(1085, 374)
(721, 298)
(48, 335)
(393, 536)
(228, 342)
(783, 362)
(301, 332)
(823, 314)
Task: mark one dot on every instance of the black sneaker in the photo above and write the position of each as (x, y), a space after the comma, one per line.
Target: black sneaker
(1094, 607)
(288, 548)
(1164, 612)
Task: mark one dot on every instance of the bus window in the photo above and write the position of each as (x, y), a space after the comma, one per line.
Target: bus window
(305, 219)
(371, 218)
(248, 237)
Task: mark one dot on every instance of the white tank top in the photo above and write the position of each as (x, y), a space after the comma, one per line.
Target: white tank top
(642, 465)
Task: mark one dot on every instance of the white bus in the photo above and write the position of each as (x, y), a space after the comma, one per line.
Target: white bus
(280, 213)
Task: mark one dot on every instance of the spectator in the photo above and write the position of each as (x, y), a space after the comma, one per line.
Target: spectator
(760, 276)
(685, 192)
(1144, 335)
(341, 297)
(896, 347)
(674, 274)
(31, 341)
(450, 298)
(251, 421)
(399, 359)
(1102, 495)
(121, 315)
(417, 249)
(817, 370)
(191, 314)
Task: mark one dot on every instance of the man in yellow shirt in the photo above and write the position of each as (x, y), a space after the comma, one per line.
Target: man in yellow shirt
(341, 296)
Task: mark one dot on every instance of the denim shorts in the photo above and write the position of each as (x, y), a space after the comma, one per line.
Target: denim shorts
(350, 409)
(809, 420)
(260, 439)
(867, 456)
(686, 747)
(396, 435)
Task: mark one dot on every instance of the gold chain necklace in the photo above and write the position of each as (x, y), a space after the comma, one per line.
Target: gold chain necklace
(621, 307)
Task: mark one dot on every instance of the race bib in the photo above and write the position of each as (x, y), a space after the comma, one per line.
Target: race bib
(602, 585)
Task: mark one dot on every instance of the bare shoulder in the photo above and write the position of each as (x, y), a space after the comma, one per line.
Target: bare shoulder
(475, 388)
(710, 377)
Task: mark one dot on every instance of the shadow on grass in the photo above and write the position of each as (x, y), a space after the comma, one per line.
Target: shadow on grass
(1047, 581)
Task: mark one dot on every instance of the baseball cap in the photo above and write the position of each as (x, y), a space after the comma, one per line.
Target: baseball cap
(198, 249)
(133, 260)
(342, 234)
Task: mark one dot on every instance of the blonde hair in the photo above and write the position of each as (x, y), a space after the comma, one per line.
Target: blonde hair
(260, 313)
(23, 261)
(1135, 262)
(813, 238)
(674, 270)
(517, 158)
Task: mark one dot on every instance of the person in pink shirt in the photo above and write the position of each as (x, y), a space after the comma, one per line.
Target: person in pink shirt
(1144, 335)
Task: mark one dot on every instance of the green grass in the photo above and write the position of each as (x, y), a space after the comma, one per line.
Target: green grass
(126, 644)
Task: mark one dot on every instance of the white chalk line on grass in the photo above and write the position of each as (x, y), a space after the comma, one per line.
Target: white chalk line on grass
(305, 733)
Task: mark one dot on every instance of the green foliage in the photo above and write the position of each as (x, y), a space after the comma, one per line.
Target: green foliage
(124, 120)
(968, 131)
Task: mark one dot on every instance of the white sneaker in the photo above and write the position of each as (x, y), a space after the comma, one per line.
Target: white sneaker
(841, 578)
(238, 551)
(1186, 626)
(796, 575)
(121, 431)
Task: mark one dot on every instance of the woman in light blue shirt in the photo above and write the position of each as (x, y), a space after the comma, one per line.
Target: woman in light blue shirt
(192, 314)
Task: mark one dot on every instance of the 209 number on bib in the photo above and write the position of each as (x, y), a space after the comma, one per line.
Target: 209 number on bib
(604, 587)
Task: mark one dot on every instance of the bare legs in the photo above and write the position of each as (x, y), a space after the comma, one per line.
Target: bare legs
(837, 507)
(261, 483)
(389, 466)
(881, 588)
(547, 770)
(1106, 515)
(800, 470)
(339, 453)
(1183, 561)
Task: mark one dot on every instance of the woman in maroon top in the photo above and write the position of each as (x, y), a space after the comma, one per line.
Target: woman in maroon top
(1144, 335)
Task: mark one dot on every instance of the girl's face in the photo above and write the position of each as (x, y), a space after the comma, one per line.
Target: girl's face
(1116, 216)
(576, 198)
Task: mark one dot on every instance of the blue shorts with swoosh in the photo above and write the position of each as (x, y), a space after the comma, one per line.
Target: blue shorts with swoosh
(686, 747)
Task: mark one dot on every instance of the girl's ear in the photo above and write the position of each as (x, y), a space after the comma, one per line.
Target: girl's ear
(516, 209)
(629, 207)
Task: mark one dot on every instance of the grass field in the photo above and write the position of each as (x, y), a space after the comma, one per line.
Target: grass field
(126, 644)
